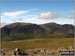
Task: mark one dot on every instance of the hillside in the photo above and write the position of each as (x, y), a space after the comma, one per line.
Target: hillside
(38, 46)
(57, 28)
(39, 43)
(21, 31)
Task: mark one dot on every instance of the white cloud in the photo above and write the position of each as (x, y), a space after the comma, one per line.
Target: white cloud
(45, 15)
(48, 15)
(14, 14)
(17, 13)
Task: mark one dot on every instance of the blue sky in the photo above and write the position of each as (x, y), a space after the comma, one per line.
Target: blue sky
(30, 11)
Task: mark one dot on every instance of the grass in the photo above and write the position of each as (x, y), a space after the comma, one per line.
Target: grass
(23, 36)
(39, 43)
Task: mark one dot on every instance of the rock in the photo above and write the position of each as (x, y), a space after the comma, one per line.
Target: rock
(33, 52)
(11, 52)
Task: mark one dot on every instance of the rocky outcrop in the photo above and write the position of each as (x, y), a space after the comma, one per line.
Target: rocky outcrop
(33, 52)
(48, 51)
(12, 52)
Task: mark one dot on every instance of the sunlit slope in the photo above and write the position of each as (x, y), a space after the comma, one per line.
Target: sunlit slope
(39, 43)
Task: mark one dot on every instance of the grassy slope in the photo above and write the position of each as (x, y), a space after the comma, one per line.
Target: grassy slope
(39, 43)
(23, 36)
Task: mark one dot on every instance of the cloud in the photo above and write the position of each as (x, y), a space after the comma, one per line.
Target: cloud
(14, 14)
(17, 13)
(48, 15)
(45, 15)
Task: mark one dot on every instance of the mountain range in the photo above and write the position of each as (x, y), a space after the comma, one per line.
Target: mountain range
(20, 28)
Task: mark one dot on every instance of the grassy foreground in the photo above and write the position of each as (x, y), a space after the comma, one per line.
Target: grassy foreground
(39, 43)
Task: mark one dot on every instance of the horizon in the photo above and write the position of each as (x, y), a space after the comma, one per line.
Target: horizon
(41, 12)
(31, 23)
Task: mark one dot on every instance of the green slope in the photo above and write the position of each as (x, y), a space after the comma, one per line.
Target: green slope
(39, 43)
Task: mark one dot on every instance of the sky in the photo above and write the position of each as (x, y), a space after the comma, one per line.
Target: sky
(37, 11)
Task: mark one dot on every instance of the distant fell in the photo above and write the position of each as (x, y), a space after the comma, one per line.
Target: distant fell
(30, 31)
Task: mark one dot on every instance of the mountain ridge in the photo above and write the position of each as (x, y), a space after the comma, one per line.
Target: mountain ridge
(38, 30)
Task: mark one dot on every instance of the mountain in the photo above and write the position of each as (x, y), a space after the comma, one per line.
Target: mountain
(30, 31)
(57, 28)
(23, 27)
